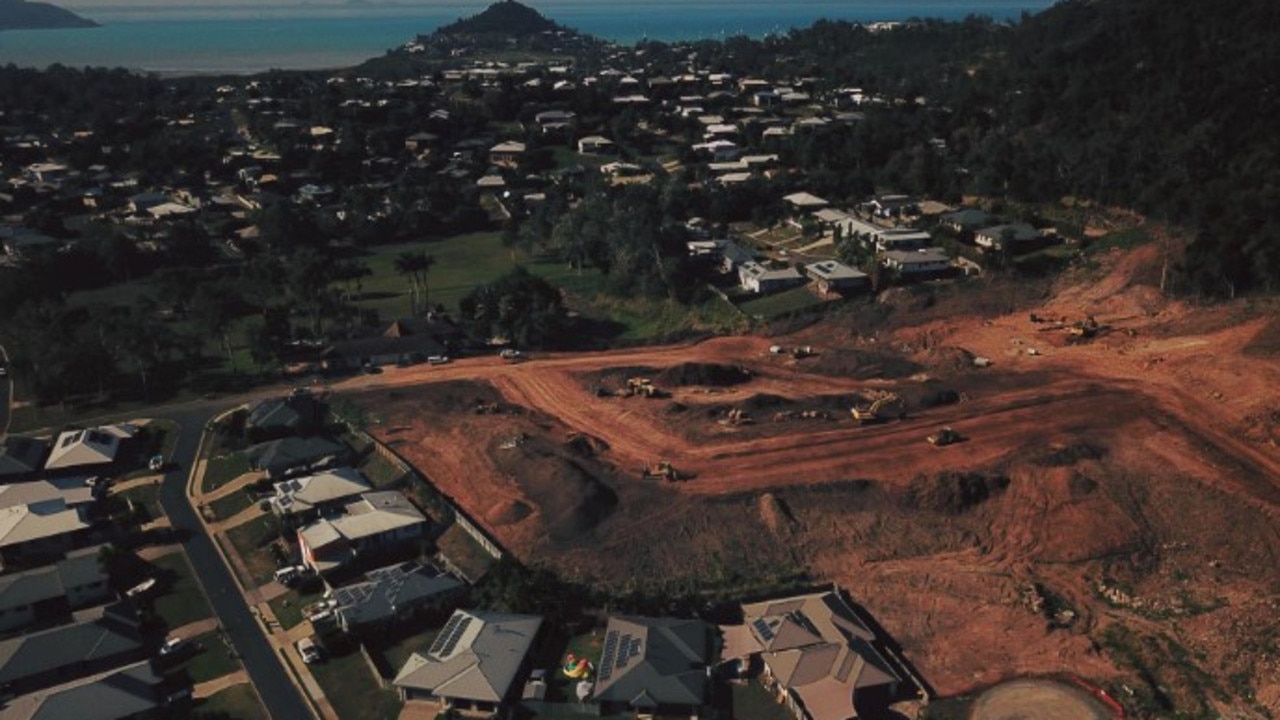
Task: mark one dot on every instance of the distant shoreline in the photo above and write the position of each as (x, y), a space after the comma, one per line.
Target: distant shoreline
(345, 36)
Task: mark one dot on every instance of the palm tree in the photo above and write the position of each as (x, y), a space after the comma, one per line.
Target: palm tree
(414, 266)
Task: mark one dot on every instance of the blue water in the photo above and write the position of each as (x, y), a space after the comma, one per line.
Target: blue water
(195, 39)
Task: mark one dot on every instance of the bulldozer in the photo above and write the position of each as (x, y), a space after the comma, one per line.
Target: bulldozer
(886, 407)
(945, 436)
(660, 470)
(735, 417)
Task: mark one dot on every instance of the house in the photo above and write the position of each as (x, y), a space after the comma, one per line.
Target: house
(831, 276)
(106, 639)
(596, 145)
(377, 520)
(126, 693)
(805, 202)
(473, 665)
(917, 262)
(888, 206)
(279, 416)
(76, 449)
(280, 458)
(653, 666)
(965, 219)
(400, 343)
(818, 655)
(71, 491)
(420, 141)
(392, 592)
(303, 498)
(40, 530)
(760, 279)
(53, 591)
(553, 121)
(994, 237)
(21, 458)
(901, 239)
(506, 154)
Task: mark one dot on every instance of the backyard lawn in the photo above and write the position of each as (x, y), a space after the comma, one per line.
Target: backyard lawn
(751, 701)
(183, 600)
(238, 701)
(464, 552)
(351, 687)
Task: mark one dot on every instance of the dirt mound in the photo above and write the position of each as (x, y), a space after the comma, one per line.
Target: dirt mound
(775, 514)
(952, 493)
(863, 365)
(508, 512)
(765, 401)
(1266, 343)
(949, 359)
(586, 446)
(567, 495)
(706, 374)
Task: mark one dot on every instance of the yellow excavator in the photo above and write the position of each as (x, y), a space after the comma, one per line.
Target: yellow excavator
(885, 407)
(642, 386)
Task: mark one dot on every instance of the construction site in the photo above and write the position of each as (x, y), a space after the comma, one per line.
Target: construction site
(1081, 478)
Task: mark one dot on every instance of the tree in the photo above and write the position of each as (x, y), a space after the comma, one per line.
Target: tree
(414, 266)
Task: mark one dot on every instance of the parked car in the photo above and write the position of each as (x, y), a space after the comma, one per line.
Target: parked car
(156, 463)
(437, 360)
(510, 354)
(309, 651)
(171, 645)
(290, 575)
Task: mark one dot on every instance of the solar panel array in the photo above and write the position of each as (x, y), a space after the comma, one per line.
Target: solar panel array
(449, 636)
(608, 655)
(764, 629)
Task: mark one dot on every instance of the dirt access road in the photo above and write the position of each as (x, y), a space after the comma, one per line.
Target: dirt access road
(1144, 462)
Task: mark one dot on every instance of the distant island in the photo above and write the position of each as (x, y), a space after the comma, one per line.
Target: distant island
(22, 15)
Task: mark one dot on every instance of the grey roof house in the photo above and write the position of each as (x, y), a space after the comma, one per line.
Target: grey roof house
(305, 497)
(279, 416)
(122, 694)
(278, 458)
(474, 663)
(377, 520)
(653, 666)
(391, 592)
(52, 590)
(108, 639)
(21, 458)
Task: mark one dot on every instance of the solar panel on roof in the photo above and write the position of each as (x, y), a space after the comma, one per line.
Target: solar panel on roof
(445, 633)
(762, 627)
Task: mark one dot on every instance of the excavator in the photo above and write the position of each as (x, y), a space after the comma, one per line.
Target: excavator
(660, 470)
(886, 407)
(643, 387)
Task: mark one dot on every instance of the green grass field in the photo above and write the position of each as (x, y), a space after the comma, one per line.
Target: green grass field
(226, 507)
(779, 304)
(221, 470)
(238, 701)
(248, 541)
(288, 607)
(213, 660)
(184, 601)
(351, 687)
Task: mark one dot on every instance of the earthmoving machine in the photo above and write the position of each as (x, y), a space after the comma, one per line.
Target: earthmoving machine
(643, 387)
(1084, 329)
(887, 406)
(660, 470)
(800, 352)
(945, 436)
(736, 416)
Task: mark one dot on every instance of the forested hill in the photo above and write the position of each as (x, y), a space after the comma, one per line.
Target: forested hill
(1168, 106)
(508, 18)
(19, 15)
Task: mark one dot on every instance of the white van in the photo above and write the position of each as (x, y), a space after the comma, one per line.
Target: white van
(309, 651)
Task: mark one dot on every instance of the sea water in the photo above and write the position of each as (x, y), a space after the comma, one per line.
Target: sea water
(188, 39)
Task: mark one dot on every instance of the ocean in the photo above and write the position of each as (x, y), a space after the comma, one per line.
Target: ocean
(177, 39)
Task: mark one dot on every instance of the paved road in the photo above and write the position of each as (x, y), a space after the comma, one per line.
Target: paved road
(6, 393)
(279, 694)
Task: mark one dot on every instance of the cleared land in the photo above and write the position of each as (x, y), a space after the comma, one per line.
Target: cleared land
(1129, 479)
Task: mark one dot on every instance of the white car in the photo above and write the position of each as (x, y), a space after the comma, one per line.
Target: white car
(511, 354)
(309, 651)
(156, 463)
(171, 645)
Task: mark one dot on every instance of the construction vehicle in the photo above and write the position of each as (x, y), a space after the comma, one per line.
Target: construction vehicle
(660, 470)
(735, 416)
(802, 351)
(887, 406)
(945, 436)
(1084, 329)
(643, 387)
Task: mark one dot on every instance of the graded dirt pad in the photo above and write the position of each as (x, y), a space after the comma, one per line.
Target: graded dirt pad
(1037, 700)
(1143, 479)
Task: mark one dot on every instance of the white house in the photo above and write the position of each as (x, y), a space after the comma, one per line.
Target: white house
(917, 262)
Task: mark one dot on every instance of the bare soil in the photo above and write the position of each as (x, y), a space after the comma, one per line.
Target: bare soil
(1127, 480)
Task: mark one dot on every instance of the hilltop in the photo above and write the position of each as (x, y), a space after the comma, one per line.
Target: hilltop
(21, 15)
(508, 18)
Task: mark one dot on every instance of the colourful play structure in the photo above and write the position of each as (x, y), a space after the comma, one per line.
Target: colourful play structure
(577, 667)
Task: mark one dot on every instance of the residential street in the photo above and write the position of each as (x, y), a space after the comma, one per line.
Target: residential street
(279, 695)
